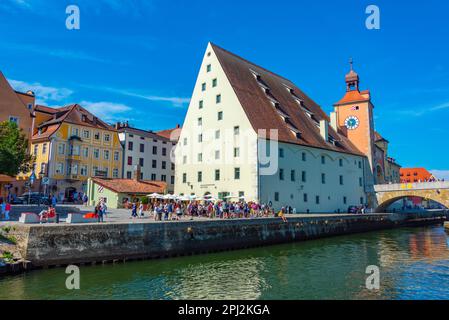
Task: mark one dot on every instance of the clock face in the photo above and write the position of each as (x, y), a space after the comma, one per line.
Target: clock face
(352, 122)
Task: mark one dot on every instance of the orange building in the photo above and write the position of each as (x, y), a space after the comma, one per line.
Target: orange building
(410, 175)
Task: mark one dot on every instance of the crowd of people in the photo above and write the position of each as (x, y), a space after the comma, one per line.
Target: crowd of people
(5, 209)
(176, 210)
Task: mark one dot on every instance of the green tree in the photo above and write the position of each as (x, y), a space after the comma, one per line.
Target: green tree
(14, 155)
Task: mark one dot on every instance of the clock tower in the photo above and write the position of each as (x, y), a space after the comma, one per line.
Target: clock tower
(354, 117)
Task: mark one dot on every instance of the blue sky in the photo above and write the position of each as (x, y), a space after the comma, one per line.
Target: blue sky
(138, 60)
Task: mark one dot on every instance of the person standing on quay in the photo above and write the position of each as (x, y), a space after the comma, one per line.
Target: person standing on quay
(7, 210)
(141, 209)
(134, 210)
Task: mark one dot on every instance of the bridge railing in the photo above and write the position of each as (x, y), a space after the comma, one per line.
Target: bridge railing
(412, 186)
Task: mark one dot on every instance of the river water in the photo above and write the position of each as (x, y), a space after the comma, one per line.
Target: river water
(413, 264)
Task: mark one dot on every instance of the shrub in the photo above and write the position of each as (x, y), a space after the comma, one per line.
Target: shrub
(144, 200)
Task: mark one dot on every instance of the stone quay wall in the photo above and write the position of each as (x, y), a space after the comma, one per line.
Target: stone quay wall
(62, 244)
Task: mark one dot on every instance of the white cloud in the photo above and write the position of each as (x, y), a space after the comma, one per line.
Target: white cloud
(108, 111)
(423, 111)
(44, 94)
(441, 174)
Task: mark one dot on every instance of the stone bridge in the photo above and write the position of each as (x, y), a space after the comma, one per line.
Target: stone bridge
(387, 194)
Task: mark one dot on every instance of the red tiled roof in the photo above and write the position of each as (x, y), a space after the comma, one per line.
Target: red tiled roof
(6, 178)
(172, 134)
(353, 96)
(415, 174)
(262, 113)
(131, 186)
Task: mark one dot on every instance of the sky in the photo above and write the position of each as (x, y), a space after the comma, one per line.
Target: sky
(138, 60)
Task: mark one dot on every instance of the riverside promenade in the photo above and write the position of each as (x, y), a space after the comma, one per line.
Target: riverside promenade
(122, 239)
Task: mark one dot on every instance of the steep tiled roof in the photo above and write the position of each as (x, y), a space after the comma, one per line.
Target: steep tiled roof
(415, 174)
(378, 137)
(131, 186)
(281, 97)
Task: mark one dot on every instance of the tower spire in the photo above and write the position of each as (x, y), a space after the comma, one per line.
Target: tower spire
(352, 78)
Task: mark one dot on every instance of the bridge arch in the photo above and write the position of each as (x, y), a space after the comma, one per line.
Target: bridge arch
(388, 194)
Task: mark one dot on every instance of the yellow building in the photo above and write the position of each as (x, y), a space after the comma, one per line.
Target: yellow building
(70, 145)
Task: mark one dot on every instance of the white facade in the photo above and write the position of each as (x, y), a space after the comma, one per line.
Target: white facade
(201, 153)
(194, 157)
(150, 151)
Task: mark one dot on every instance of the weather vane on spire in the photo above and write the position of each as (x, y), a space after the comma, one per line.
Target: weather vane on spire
(351, 62)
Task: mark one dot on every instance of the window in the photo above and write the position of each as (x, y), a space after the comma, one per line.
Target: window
(86, 134)
(116, 155)
(360, 164)
(276, 196)
(61, 148)
(200, 157)
(30, 106)
(323, 160)
(236, 152)
(304, 156)
(130, 145)
(305, 198)
(106, 154)
(362, 200)
(217, 175)
(36, 149)
(340, 162)
(293, 175)
(172, 166)
(236, 130)
(97, 153)
(214, 83)
(203, 86)
(14, 119)
(86, 152)
(131, 135)
(200, 138)
(217, 154)
(237, 173)
(75, 132)
(130, 161)
(200, 122)
(317, 199)
(209, 68)
(345, 200)
(164, 151)
(281, 153)
(44, 148)
(154, 149)
(141, 162)
(154, 164)
(83, 170)
(164, 177)
(97, 135)
(360, 182)
(185, 141)
(217, 134)
(200, 176)
(74, 150)
(142, 147)
(323, 178)
(220, 115)
(184, 178)
(164, 164)
(115, 173)
(281, 174)
(153, 176)
(94, 170)
(184, 159)
(59, 168)
(341, 180)
(303, 176)
(172, 180)
(218, 98)
(201, 104)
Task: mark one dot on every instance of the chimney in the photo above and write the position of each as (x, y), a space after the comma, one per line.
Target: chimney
(324, 130)
(137, 172)
(117, 125)
(94, 120)
(334, 121)
(178, 126)
(126, 124)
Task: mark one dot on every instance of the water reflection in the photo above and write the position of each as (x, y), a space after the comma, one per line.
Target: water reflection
(414, 263)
